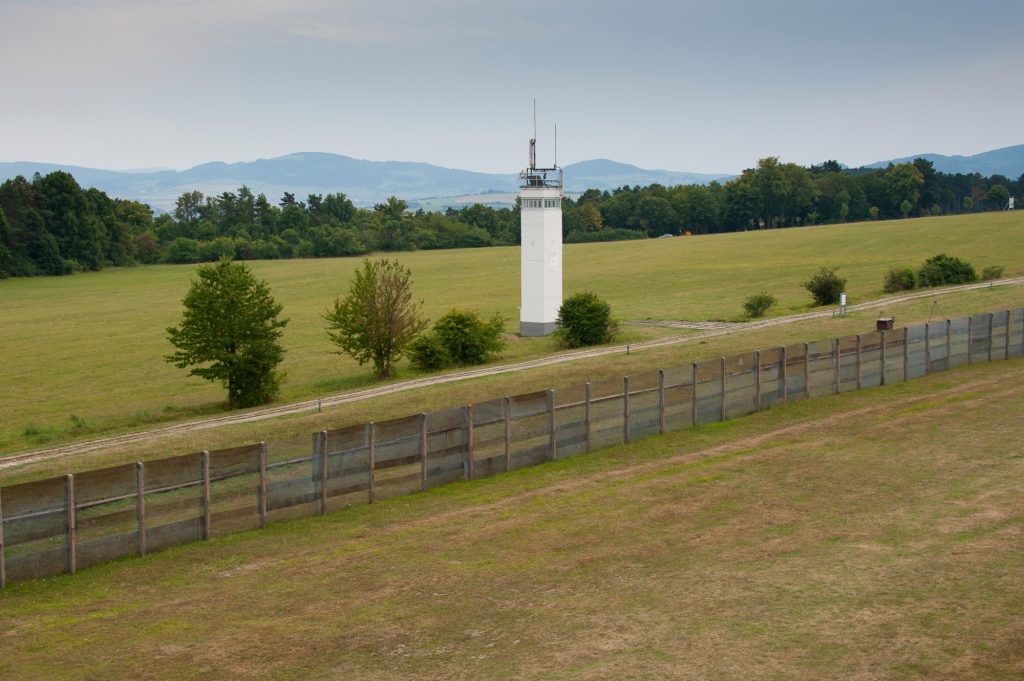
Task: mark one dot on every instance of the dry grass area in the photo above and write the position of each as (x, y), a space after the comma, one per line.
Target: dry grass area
(871, 535)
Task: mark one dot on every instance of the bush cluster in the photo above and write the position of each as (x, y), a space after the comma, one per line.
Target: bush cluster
(943, 269)
(756, 305)
(585, 319)
(459, 338)
(992, 272)
(899, 279)
(825, 286)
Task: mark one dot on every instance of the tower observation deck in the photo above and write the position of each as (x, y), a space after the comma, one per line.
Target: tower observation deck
(540, 200)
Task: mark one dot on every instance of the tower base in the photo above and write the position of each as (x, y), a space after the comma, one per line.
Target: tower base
(536, 328)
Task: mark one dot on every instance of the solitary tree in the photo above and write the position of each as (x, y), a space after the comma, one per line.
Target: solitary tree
(378, 318)
(229, 333)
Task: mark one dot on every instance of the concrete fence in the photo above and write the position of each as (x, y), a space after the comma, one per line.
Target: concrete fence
(71, 522)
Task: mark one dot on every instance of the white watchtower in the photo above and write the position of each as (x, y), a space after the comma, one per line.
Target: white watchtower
(540, 203)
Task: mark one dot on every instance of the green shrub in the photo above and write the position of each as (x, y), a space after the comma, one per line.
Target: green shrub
(468, 338)
(756, 305)
(825, 286)
(427, 353)
(992, 272)
(899, 279)
(943, 269)
(585, 319)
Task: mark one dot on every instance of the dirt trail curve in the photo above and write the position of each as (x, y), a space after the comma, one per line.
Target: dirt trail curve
(412, 384)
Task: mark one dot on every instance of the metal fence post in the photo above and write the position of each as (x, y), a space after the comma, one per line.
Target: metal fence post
(991, 320)
(322, 446)
(625, 409)
(928, 349)
(423, 452)
(693, 397)
(837, 376)
(660, 401)
(1006, 337)
(722, 387)
(970, 338)
(859, 372)
(757, 380)
(3, 563)
(586, 416)
(807, 370)
(552, 426)
(371, 456)
(906, 354)
(205, 459)
(140, 505)
(469, 442)
(508, 434)
(949, 344)
(70, 559)
(881, 377)
(263, 485)
(782, 373)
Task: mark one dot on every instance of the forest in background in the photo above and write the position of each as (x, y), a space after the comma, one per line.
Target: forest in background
(49, 225)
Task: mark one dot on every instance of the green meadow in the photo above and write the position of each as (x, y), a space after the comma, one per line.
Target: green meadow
(83, 354)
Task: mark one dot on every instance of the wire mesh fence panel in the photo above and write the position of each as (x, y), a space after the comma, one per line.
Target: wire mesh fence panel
(1017, 332)
(678, 394)
(821, 368)
(893, 369)
(771, 377)
(35, 528)
(938, 350)
(446, 446)
(348, 466)
(396, 457)
(709, 391)
(740, 385)
(958, 342)
(291, 481)
(488, 438)
(106, 517)
(607, 425)
(644, 414)
(571, 415)
(916, 354)
(1000, 334)
(871, 360)
(796, 366)
(234, 489)
(848, 360)
(530, 430)
(981, 328)
(174, 501)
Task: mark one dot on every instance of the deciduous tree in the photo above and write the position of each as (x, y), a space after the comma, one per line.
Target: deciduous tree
(229, 333)
(378, 318)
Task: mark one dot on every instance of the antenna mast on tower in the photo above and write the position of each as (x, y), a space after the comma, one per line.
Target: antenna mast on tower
(533, 140)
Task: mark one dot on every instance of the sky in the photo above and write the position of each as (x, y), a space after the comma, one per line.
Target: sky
(698, 86)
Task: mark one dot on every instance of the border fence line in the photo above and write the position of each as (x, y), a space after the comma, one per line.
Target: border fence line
(70, 522)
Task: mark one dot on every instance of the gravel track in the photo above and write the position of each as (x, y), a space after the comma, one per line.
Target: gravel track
(264, 413)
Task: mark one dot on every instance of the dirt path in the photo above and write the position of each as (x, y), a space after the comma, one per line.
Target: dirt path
(38, 455)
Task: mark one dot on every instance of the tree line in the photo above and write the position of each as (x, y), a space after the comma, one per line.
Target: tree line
(50, 225)
(777, 194)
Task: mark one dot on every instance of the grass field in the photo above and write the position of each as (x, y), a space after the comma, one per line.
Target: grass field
(83, 354)
(869, 535)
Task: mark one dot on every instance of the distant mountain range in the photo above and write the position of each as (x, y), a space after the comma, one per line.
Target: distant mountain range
(1008, 161)
(368, 182)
